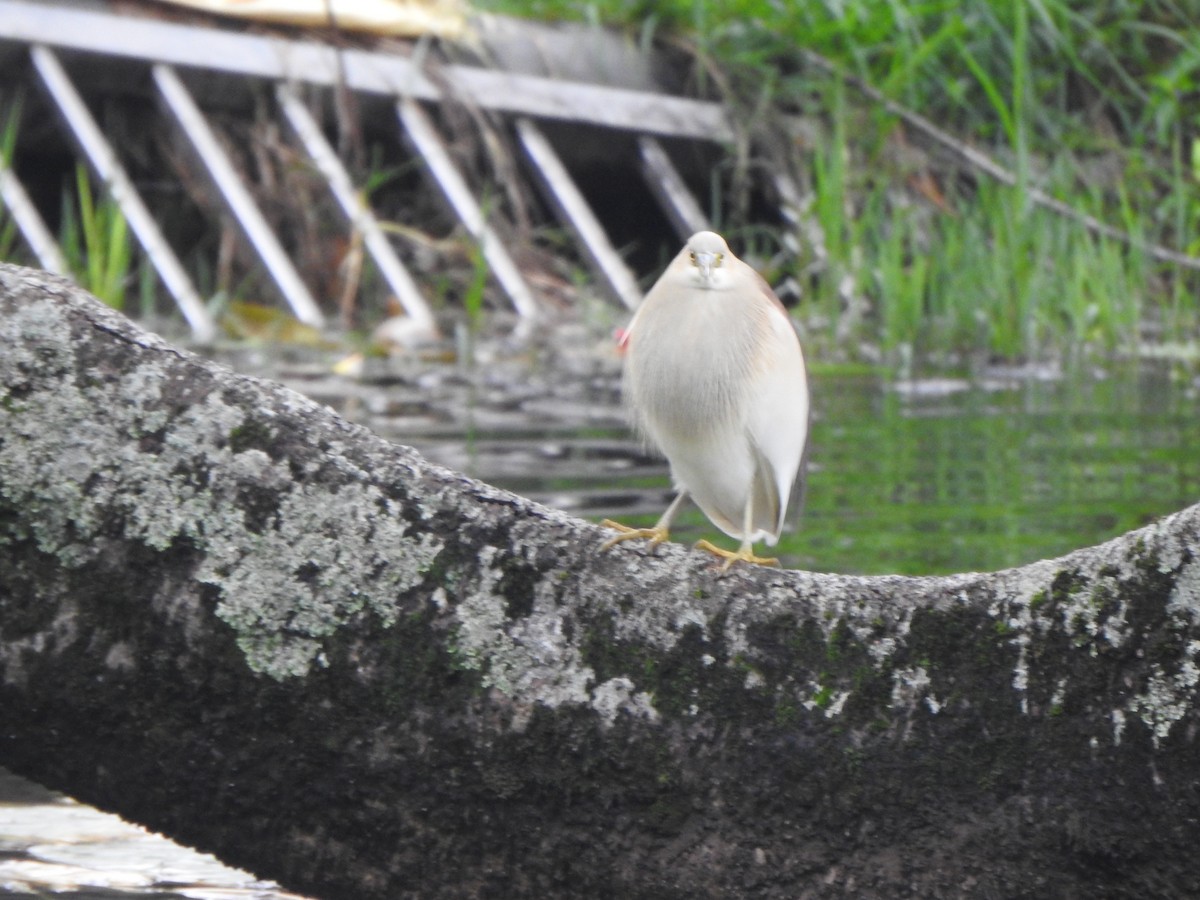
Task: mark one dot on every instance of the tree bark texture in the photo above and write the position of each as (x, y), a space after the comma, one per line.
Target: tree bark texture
(231, 616)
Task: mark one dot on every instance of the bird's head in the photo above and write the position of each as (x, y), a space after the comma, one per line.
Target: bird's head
(707, 258)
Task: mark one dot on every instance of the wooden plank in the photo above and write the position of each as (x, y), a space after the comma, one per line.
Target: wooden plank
(30, 223)
(577, 215)
(237, 198)
(154, 40)
(454, 187)
(669, 188)
(379, 73)
(353, 205)
(109, 169)
(595, 104)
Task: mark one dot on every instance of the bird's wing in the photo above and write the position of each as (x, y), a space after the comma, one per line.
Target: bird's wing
(778, 425)
(769, 503)
(624, 334)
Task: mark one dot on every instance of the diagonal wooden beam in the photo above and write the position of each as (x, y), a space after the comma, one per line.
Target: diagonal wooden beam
(353, 205)
(237, 197)
(30, 222)
(576, 214)
(428, 144)
(669, 188)
(108, 168)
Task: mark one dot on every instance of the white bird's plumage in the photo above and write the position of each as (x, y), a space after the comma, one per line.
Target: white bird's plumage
(715, 378)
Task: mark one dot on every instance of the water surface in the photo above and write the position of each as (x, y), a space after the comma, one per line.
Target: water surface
(947, 475)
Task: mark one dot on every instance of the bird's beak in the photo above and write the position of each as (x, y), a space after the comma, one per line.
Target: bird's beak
(706, 262)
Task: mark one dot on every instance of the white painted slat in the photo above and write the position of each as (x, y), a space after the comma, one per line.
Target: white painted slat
(240, 53)
(355, 208)
(669, 188)
(236, 196)
(109, 169)
(450, 181)
(30, 223)
(577, 215)
(595, 104)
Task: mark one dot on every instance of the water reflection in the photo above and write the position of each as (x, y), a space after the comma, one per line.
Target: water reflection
(51, 846)
(995, 473)
(917, 476)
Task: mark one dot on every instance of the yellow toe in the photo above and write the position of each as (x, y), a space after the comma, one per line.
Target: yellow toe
(744, 553)
(654, 535)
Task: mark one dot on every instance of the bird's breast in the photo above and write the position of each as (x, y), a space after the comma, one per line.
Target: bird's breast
(690, 363)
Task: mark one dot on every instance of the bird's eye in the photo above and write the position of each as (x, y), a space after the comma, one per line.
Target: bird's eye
(717, 259)
(692, 256)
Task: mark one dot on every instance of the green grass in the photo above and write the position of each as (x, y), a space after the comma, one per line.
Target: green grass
(95, 239)
(10, 120)
(8, 237)
(992, 271)
(1085, 101)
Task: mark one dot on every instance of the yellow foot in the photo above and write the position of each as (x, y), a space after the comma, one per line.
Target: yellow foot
(654, 535)
(745, 553)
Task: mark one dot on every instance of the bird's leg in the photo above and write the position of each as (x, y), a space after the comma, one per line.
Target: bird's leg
(656, 535)
(744, 553)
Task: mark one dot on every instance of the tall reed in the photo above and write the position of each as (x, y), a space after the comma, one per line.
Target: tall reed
(95, 239)
(10, 123)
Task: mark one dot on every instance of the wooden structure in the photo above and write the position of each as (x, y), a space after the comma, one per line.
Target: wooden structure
(54, 35)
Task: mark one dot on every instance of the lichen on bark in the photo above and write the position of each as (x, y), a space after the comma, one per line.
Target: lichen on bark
(112, 448)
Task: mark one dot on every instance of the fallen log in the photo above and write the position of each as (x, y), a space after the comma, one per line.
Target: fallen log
(229, 615)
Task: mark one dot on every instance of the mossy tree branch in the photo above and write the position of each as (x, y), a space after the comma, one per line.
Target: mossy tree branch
(231, 616)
